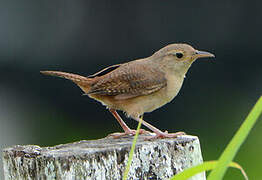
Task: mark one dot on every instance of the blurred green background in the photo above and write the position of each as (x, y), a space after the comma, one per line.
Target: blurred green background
(85, 36)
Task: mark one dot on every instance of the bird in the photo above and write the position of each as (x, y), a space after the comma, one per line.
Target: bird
(139, 86)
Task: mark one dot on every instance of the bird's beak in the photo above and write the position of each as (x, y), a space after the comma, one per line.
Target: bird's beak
(202, 54)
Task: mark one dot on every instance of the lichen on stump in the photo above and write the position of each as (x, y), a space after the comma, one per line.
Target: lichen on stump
(104, 159)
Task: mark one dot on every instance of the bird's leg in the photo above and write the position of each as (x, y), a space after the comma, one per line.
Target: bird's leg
(127, 130)
(159, 133)
(120, 121)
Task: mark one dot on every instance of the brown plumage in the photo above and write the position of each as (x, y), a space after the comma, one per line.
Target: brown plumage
(139, 86)
(129, 80)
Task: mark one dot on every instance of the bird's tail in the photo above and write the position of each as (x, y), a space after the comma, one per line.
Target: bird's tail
(83, 82)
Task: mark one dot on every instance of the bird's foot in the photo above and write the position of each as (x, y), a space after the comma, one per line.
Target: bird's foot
(165, 135)
(130, 132)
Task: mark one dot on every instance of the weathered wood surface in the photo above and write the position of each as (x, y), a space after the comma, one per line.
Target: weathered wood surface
(103, 159)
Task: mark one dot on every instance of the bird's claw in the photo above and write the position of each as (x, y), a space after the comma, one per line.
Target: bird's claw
(131, 132)
(165, 135)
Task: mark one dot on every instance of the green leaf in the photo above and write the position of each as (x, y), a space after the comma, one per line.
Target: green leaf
(208, 165)
(234, 145)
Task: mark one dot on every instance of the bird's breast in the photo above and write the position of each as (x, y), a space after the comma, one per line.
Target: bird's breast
(174, 84)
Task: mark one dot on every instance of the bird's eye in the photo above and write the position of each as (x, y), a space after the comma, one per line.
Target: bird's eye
(179, 55)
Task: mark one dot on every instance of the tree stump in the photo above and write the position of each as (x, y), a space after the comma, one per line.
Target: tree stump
(103, 159)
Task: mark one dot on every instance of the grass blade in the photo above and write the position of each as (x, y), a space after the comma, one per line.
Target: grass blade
(131, 153)
(238, 139)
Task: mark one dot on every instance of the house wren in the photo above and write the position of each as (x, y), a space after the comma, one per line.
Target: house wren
(141, 85)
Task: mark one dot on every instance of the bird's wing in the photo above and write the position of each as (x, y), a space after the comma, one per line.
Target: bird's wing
(129, 81)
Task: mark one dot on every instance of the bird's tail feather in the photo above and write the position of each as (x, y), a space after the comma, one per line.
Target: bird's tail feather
(80, 80)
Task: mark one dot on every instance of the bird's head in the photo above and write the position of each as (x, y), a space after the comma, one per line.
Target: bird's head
(179, 57)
